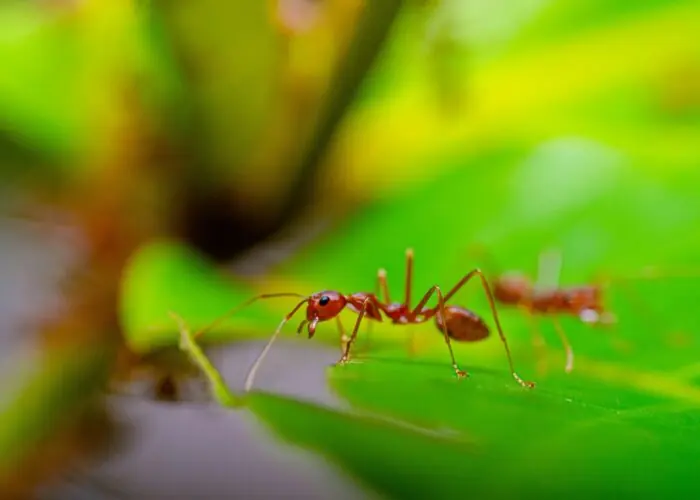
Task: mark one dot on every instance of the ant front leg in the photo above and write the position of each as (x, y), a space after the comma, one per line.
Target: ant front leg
(346, 355)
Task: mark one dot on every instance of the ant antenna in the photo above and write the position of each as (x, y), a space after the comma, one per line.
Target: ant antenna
(245, 304)
(253, 369)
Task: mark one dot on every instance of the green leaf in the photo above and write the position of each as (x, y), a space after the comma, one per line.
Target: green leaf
(564, 437)
(167, 276)
(406, 465)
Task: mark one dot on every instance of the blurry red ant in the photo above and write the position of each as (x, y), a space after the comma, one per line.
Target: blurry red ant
(455, 322)
(547, 298)
(583, 301)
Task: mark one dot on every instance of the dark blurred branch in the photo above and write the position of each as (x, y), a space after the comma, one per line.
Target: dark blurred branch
(222, 232)
(372, 30)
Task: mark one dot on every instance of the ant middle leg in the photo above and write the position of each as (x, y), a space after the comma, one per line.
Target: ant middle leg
(565, 342)
(411, 347)
(346, 353)
(538, 343)
(381, 288)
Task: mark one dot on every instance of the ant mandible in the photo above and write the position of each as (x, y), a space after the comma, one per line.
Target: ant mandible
(456, 322)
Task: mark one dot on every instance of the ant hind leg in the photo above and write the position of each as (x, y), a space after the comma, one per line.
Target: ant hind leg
(492, 303)
(565, 342)
(441, 305)
(538, 343)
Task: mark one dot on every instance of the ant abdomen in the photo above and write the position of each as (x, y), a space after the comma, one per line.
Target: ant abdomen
(463, 325)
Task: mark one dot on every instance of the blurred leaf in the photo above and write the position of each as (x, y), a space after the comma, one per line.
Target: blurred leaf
(560, 20)
(523, 96)
(230, 52)
(36, 48)
(167, 276)
(92, 55)
(66, 385)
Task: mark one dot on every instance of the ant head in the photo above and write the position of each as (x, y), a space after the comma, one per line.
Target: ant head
(511, 288)
(323, 306)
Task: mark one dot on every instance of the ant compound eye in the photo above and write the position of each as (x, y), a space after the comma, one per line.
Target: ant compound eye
(325, 305)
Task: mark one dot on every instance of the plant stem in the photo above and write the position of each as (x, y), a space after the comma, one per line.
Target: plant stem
(223, 395)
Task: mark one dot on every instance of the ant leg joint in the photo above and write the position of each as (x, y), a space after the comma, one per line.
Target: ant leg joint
(525, 383)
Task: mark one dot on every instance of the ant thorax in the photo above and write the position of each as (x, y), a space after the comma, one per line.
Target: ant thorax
(400, 314)
(397, 312)
(369, 301)
(582, 301)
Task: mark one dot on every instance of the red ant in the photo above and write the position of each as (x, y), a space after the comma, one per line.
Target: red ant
(548, 298)
(583, 301)
(455, 322)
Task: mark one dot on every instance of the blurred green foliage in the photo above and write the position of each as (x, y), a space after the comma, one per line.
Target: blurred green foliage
(59, 394)
(516, 126)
